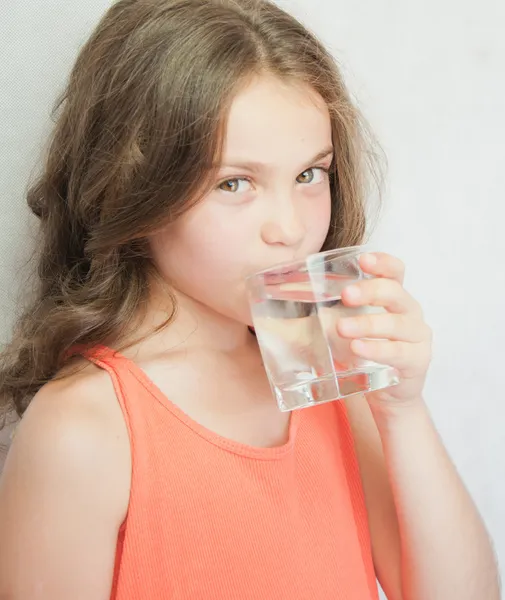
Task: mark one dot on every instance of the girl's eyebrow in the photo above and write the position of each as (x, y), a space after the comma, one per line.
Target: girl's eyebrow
(256, 166)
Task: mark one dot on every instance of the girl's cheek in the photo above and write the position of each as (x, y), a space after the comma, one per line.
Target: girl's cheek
(321, 223)
(319, 212)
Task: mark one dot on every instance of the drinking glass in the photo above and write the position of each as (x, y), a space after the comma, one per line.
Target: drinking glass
(295, 309)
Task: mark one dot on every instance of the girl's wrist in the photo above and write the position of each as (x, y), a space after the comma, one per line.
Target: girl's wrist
(390, 415)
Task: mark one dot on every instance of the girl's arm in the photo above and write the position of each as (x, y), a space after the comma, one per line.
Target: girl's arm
(446, 551)
(428, 540)
(63, 495)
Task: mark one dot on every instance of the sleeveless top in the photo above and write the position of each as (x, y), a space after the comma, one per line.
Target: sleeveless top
(214, 519)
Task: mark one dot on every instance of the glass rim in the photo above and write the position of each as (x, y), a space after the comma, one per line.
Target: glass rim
(359, 248)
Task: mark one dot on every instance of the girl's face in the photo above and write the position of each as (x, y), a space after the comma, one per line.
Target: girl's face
(270, 202)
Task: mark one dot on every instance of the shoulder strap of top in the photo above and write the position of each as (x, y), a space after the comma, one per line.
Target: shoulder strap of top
(124, 378)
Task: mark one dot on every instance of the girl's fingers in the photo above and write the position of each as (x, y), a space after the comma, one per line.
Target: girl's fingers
(386, 325)
(383, 265)
(399, 355)
(387, 293)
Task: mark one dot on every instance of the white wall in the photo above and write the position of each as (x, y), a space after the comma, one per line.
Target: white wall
(431, 77)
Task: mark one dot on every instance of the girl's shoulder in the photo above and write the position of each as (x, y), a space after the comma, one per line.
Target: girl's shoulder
(64, 490)
(74, 431)
(81, 401)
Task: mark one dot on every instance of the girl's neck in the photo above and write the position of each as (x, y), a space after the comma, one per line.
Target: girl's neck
(193, 326)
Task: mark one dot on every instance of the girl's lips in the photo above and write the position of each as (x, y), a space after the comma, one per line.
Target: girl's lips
(287, 276)
(284, 267)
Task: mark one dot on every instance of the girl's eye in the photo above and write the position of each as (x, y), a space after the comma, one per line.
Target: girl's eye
(312, 176)
(232, 186)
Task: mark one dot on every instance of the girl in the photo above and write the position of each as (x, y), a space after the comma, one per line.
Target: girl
(199, 141)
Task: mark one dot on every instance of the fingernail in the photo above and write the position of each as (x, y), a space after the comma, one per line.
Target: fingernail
(349, 326)
(359, 346)
(353, 292)
(371, 259)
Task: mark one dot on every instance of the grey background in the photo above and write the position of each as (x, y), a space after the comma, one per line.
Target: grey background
(430, 76)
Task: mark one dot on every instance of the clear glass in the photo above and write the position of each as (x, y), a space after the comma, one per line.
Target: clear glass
(295, 309)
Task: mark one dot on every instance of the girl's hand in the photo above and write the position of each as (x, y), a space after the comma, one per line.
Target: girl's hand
(403, 340)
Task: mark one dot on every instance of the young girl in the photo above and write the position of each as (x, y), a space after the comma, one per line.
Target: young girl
(199, 141)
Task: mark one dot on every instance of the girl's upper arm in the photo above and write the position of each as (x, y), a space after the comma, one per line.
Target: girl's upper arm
(63, 495)
(379, 501)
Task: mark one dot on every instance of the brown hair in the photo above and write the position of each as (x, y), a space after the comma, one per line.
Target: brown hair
(139, 123)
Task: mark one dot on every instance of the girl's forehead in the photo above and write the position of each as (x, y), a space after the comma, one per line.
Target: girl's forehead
(270, 118)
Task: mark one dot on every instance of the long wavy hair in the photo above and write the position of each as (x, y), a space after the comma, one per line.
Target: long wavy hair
(137, 129)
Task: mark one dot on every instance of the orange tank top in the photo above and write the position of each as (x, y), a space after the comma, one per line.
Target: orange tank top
(214, 519)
